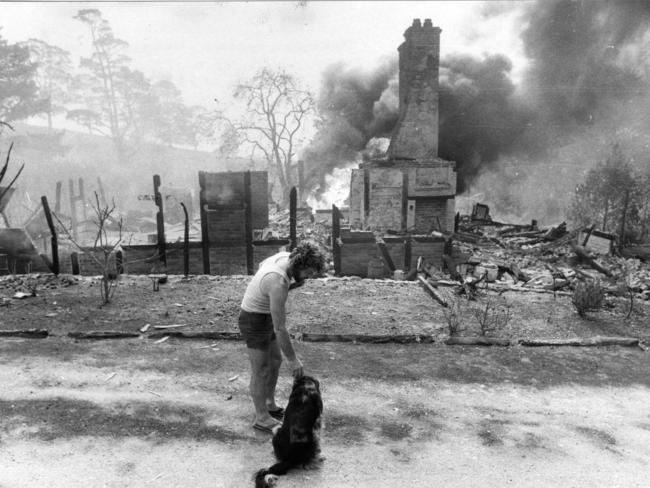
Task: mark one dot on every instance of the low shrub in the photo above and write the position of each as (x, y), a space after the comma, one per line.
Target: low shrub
(588, 296)
(454, 317)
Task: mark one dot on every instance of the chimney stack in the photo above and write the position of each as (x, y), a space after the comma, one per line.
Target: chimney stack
(416, 132)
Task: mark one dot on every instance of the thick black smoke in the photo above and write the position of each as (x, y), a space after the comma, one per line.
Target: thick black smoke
(587, 62)
(578, 70)
(346, 103)
(480, 118)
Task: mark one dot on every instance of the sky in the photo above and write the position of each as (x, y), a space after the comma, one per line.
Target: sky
(206, 48)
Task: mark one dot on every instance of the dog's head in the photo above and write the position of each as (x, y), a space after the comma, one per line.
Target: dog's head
(306, 384)
(307, 389)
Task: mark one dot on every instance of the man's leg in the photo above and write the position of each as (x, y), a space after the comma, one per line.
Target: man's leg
(259, 359)
(275, 360)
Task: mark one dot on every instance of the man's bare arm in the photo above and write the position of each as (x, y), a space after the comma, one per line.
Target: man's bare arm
(277, 290)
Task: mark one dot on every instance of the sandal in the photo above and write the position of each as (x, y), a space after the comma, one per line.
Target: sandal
(277, 414)
(263, 428)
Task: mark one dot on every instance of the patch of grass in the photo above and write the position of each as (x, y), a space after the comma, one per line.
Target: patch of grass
(489, 438)
(395, 431)
(418, 412)
(351, 428)
(600, 436)
(531, 441)
(62, 418)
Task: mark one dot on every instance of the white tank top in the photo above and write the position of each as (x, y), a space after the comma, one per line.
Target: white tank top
(255, 300)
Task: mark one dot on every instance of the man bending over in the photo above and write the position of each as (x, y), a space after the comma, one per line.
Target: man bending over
(262, 322)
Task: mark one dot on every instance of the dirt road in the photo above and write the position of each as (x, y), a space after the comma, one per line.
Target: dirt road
(176, 414)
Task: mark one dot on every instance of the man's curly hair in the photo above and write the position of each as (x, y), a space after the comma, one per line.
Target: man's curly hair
(307, 255)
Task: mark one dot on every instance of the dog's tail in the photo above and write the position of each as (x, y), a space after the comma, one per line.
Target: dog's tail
(266, 478)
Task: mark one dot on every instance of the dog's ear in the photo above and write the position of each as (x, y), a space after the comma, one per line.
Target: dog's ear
(319, 403)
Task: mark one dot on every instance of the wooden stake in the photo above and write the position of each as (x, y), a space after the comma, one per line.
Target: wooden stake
(293, 217)
(54, 240)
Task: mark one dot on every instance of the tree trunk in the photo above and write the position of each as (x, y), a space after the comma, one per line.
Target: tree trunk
(621, 236)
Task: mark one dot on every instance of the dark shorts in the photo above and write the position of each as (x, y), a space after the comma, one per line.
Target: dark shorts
(257, 329)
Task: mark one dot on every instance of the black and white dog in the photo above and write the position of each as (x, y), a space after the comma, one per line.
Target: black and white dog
(296, 442)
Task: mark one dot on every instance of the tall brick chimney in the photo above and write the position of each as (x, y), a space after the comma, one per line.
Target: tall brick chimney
(413, 190)
(416, 132)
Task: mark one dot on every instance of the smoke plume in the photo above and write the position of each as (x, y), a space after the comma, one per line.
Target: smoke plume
(349, 119)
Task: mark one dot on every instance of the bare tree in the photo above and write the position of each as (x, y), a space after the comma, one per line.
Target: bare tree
(7, 191)
(104, 247)
(276, 114)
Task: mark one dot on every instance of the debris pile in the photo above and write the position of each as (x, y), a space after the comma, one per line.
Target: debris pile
(307, 227)
(515, 256)
(35, 281)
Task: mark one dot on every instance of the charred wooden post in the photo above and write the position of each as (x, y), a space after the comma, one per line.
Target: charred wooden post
(74, 199)
(160, 221)
(336, 239)
(74, 262)
(301, 182)
(186, 243)
(408, 253)
(449, 263)
(248, 223)
(82, 198)
(205, 235)
(101, 191)
(73, 209)
(621, 237)
(53, 240)
(27, 333)
(293, 218)
(584, 256)
(57, 202)
(586, 239)
(406, 204)
(388, 261)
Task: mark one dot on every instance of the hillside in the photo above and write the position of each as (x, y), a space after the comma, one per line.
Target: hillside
(70, 155)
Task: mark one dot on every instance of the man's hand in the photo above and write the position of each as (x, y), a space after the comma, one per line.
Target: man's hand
(296, 368)
(296, 284)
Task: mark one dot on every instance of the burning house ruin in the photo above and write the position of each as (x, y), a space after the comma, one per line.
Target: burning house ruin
(412, 190)
(397, 202)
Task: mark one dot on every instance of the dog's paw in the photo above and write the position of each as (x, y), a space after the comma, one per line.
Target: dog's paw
(270, 480)
(314, 463)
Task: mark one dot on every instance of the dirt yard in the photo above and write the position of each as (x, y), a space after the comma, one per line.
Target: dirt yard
(139, 412)
(323, 306)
